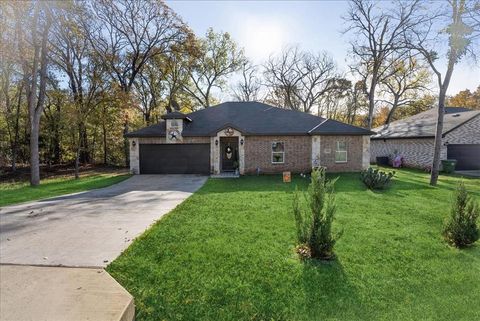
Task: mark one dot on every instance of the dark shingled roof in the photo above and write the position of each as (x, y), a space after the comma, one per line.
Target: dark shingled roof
(175, 115)
(254, 118)
(423, 125)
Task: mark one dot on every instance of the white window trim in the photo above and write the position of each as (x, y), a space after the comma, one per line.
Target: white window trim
(341, 151)
(272, 152)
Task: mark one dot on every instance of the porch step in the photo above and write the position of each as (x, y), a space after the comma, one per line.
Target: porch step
(62, 293)
(225, 175)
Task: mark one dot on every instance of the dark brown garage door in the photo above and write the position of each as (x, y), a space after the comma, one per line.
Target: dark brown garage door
(174, 158)
(467, 155)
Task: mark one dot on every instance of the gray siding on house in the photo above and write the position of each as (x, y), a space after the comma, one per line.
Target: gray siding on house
(468, 133)
(418, 152)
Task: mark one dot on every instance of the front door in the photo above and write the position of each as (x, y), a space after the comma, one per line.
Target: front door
(229, 153)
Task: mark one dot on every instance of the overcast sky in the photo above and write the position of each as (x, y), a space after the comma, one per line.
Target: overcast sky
(264, 27)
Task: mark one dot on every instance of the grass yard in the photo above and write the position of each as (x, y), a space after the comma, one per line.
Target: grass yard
(18, 192)
(227, 253)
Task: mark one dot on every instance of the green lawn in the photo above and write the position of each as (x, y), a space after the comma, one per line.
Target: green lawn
(12, 193)
(227, 253)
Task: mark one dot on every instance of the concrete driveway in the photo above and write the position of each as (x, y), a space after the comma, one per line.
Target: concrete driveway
(89, 229)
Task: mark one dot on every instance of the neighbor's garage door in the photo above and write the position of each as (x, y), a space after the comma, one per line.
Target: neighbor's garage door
(467, 155)
(174, 158)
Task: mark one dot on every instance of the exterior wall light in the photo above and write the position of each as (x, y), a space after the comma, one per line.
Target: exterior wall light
(134, 143)
(241, 141)
(216, 142)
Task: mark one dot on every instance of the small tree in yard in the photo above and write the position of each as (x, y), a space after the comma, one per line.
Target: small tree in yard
(314, 227)
(461, 228)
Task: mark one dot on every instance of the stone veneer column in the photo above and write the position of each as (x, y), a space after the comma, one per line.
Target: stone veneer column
(134, 156)
(366, 152)
(316, 154)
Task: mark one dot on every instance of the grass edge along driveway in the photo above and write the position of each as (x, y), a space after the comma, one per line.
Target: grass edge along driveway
(227, 253)
(14, 193)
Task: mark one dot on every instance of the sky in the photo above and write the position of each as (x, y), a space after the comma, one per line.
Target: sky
(263, 28)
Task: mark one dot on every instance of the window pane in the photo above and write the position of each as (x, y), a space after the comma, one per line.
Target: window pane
(277, 147)
(341, 146)
(277, 157)
(340, 156)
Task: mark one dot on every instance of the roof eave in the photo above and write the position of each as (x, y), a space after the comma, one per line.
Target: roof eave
(401, 137)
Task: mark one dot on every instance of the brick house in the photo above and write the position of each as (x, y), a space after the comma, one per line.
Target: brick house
(249, 137)
(413, 139)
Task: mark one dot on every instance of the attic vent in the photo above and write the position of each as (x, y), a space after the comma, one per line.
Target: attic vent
(456, 115)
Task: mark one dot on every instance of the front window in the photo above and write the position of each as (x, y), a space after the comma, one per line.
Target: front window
(278, 152)
(341, 152)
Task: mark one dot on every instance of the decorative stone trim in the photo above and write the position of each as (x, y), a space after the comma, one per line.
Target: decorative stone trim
(215, 149)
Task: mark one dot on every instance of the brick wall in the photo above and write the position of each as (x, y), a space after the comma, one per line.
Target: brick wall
(355, 152)
(298, 152)
(258, 153)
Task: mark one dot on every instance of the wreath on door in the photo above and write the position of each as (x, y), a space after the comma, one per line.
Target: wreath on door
(228, 152)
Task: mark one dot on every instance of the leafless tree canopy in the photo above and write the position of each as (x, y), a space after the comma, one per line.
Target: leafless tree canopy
(298, 79)
(377, 37)
(408, 77)
(249, 87)
(127, 33)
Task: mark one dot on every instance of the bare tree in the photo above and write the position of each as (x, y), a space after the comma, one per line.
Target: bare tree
(332, 103)
(455, 28)
(407, 78)
(298, 79)
(216, 57)
(72, 54)
(248, 88)
(127, 34)
(377, 34)
(34, 50)
(357, 102)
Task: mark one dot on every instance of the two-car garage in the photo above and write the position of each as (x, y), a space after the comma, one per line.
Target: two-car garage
(174, 158)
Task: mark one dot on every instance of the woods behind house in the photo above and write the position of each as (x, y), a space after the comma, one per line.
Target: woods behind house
(76, 75)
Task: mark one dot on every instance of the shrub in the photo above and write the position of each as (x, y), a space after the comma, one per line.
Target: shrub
(314, 227)
(376, 179)
(460, 227)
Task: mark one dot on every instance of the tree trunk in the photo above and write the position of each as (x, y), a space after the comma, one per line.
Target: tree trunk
(438, 138)
(84, 156)
(34, 153)
(371, 103)
(77, 156)
(36, 109)
(392, 111)
(104, 134)
(147, 118)
(125, 145)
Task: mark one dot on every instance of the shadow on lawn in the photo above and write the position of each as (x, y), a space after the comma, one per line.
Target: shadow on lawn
(328, 291)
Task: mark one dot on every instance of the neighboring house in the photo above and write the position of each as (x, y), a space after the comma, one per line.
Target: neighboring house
(249, 136)
(413, 138)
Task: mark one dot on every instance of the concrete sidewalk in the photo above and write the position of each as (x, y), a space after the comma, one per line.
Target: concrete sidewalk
(89, 229)
(53, 293)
